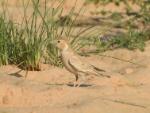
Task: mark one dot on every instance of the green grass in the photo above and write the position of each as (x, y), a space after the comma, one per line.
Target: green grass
(28, 44)
(133, 39)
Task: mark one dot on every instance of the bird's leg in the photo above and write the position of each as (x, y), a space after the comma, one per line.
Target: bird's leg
(82, 80)
(76, 82)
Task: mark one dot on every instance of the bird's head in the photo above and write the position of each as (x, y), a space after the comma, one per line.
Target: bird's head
(61, 44)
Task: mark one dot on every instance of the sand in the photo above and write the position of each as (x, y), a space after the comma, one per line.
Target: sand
(48, 91)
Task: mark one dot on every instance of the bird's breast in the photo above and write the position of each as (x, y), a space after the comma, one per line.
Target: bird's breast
(65, 59)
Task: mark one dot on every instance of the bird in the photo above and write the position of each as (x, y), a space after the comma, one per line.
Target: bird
(73, 63)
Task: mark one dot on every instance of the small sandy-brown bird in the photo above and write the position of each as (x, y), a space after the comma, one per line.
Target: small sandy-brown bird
(74, 64)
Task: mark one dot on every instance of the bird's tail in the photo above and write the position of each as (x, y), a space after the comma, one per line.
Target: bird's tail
(98, 69)
(100, 72)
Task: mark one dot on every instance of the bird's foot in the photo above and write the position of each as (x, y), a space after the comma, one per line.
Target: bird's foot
(78, 85)
(75, 84)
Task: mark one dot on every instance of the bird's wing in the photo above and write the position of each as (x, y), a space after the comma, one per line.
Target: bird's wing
(78, 65)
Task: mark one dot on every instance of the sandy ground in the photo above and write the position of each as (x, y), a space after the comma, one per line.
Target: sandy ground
(127, 91)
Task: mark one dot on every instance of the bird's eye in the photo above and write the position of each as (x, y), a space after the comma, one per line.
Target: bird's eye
(58, 41)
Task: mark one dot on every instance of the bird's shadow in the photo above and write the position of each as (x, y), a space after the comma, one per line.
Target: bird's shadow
(16, 74)
(82, 85)
(70, 85)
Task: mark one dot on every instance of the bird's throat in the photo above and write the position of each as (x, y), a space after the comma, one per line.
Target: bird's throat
(65, 48)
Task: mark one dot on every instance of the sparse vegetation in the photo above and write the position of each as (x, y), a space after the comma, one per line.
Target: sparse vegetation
(136, 26)
(27, 45)
(133, 39)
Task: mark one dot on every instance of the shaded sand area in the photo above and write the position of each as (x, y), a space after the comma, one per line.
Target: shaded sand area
(127, 91)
